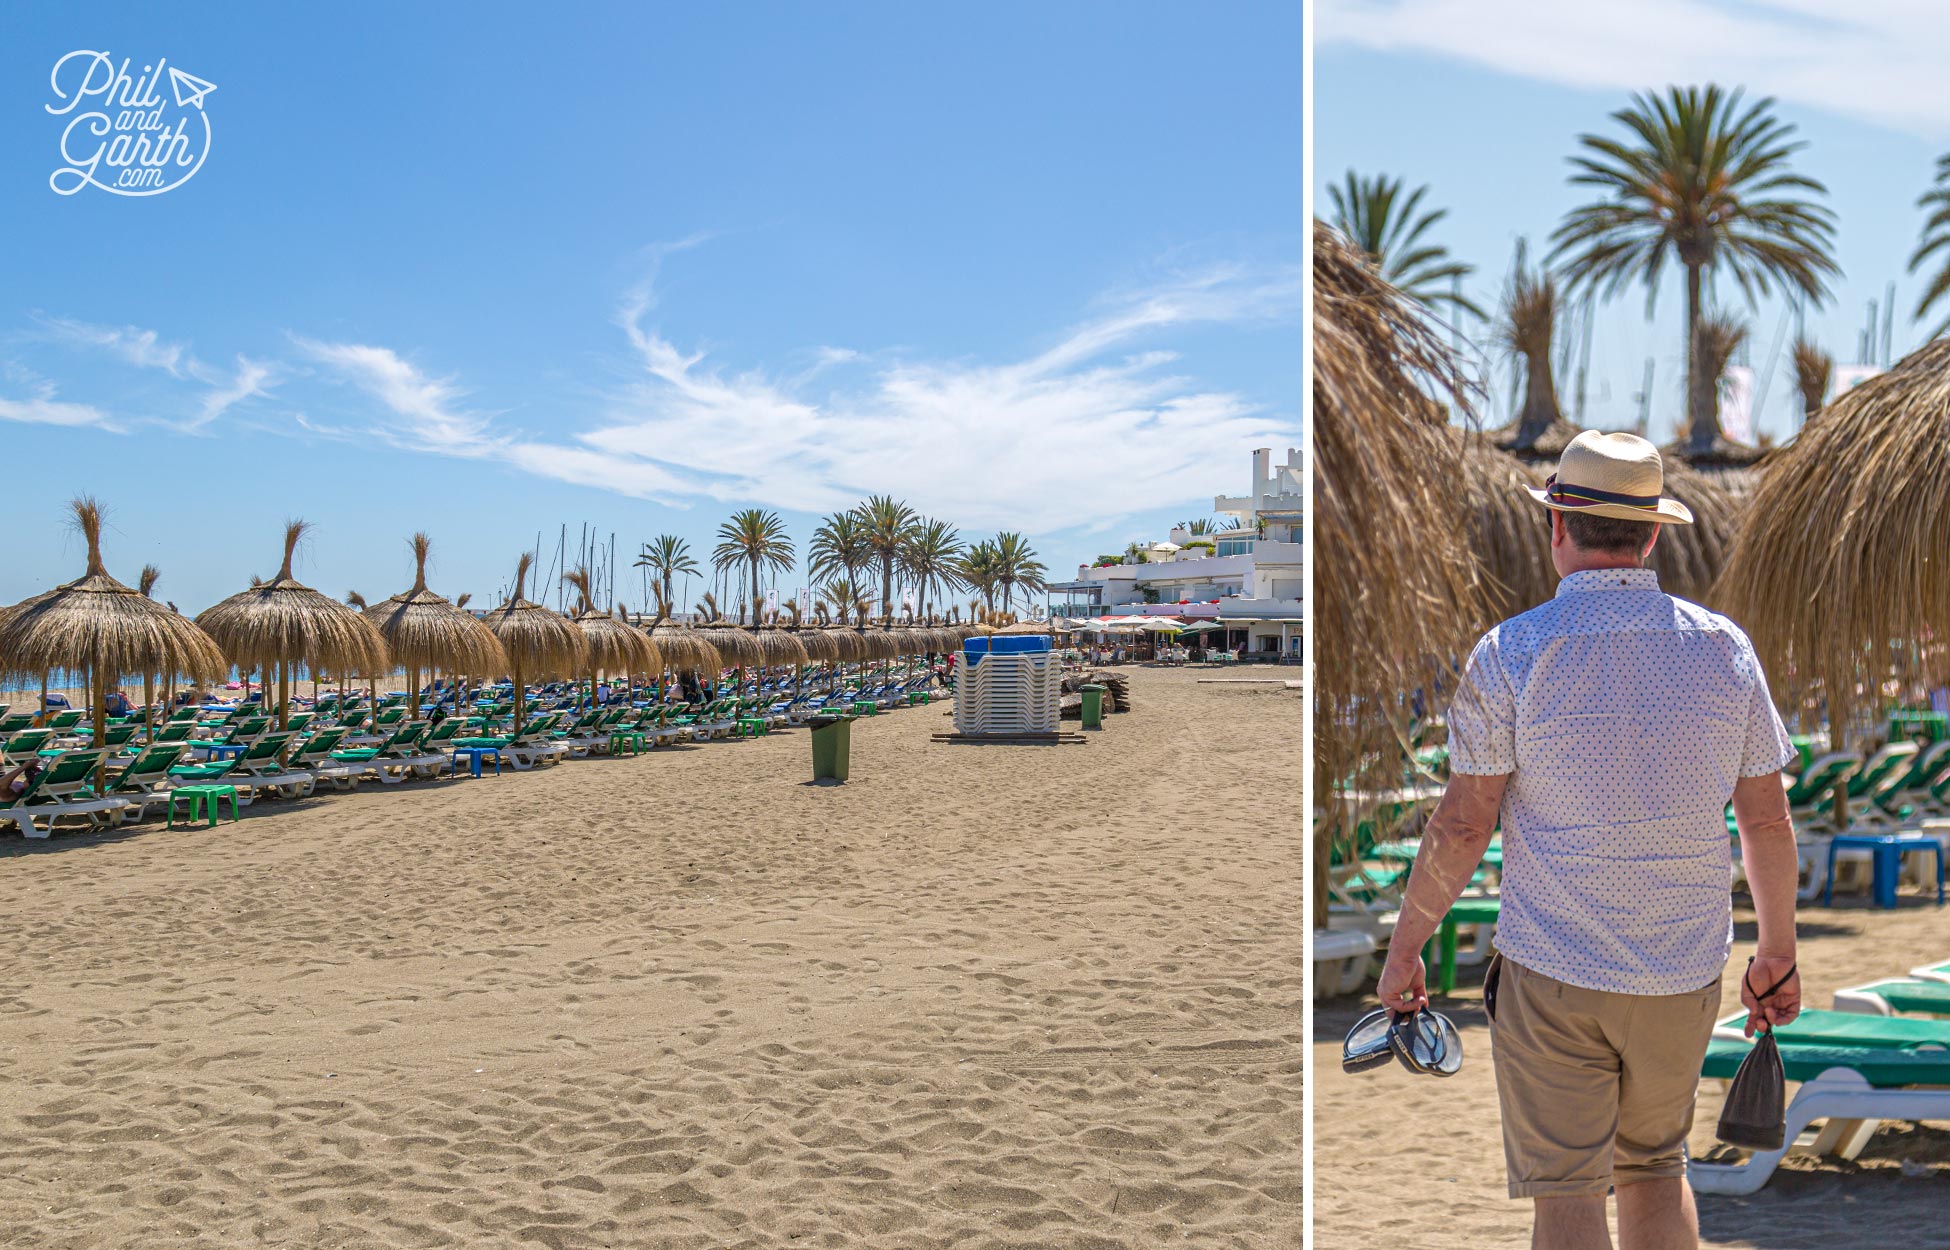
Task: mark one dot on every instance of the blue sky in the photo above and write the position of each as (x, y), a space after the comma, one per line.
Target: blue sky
(1026, 266)
(1485, 100)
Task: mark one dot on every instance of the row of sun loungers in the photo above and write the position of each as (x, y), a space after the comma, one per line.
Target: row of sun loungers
(341, 747)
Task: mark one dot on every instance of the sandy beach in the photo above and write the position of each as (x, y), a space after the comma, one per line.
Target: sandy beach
(979, 996)
(1401, 1161)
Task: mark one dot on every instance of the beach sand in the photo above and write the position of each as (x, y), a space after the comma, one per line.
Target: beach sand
(980, 996)
(1401, 1161)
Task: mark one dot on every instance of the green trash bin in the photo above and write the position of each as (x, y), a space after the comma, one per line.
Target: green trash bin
(1093, 707)
(832, 747)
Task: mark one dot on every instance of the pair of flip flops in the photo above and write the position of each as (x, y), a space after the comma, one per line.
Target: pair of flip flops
(1425, 1042)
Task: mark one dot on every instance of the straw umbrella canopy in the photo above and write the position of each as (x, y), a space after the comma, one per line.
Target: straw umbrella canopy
(538, 641)
(1022, 628)
(612, 646)
(820, 645)
(1841, 572)
(682, 649)
(424, 631)
(1397, 592)
(280, 623)
(735, 646)
(781, 648)
(97, 625)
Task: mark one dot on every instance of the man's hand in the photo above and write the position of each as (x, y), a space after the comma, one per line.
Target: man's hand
(1783, 1005)
(1404, 984)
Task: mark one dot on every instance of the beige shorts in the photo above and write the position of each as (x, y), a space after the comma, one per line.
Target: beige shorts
(1596, 1088)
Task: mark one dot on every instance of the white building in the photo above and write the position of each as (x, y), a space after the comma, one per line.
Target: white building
(1246, 577)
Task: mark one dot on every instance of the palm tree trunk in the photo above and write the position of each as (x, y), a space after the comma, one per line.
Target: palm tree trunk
(887, 588)
(1702, 422)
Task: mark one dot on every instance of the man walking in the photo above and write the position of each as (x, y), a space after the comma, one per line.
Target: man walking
(1606, 730)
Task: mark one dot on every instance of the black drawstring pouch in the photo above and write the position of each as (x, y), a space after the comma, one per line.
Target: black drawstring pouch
(1755, 1114)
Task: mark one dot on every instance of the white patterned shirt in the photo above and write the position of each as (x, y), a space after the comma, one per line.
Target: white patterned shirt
(1623, 716)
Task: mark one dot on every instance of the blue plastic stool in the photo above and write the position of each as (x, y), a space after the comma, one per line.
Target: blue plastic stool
(474, 755)
(1887, 850)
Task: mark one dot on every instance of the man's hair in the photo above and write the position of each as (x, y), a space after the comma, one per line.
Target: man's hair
(1608, 533)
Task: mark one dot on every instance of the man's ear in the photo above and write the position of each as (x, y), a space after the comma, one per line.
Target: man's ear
(1651, 543)
(1558, 534)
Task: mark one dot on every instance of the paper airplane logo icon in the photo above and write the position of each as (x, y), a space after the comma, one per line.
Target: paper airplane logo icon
(189, 89)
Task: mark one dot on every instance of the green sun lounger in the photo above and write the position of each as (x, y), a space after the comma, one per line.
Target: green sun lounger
(54, 793)
(1906, 996)
(1814, 1027)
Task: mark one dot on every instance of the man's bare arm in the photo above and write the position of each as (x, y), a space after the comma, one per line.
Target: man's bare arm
(1773, 865)
(1453, 842)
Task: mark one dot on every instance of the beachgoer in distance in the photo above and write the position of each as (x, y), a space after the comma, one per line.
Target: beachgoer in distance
(1606, 730)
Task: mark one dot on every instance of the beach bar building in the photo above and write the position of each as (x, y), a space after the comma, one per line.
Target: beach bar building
(1246, 577)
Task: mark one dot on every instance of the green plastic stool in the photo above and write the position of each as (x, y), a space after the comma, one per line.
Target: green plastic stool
(865, 707)
(751, 726)
(628, 738)
(917, 698)
(204, 800)
(1466, 911)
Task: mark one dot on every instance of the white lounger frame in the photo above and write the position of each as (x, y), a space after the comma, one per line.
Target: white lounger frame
(1853, 1110)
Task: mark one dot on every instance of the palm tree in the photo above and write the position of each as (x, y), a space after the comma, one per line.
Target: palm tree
(932, 555)
(837, 546)
(668, 556)
(1934, 238)
(885, 525)
(1016, 565)
(845, 597)
(756, 538)
(1704, 180)
(1203, 525)
(1388, 227)
(980, 570)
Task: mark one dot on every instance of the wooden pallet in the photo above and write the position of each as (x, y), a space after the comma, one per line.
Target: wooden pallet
(1030, 739)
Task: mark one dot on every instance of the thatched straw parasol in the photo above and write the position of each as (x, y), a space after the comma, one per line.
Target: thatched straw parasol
(681, 649)
(612, 646)
(1397, 596)
(735, 647)
(1689, 558)
(1842, 571)
(538, 641)
(1506, 530)
(423, 631)
(781, 648)
(97, 625)
(821, 647)
(280, 623)
(1027, 628)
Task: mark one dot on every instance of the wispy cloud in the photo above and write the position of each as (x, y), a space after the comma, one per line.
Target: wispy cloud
(1147, 436)
(428, 411)
(1100, 421)
(42, 408)
(148, 349)
(1877, 60)
(145, 349)
(250, 381)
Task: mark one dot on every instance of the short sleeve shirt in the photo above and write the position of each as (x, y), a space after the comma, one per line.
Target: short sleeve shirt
(1623, 717)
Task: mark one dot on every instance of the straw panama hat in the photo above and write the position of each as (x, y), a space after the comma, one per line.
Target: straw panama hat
(1615, 475)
